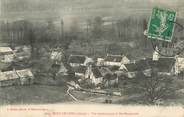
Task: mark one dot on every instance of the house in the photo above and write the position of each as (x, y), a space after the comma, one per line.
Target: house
(25, 75)
(88, 72)
(6, 54)
(115, 60)
(5, 50)
(22, 52)
(144, 67)
(95, 75)
(80, 71)
(60, 67)
(16, 77)
(179, 65)
(114, 68)
(9, 78)
(100, 62)
(104, 71)
(110, 80)
(165, 65)
(108, 76)
(79, 60)
(156, 55)
(63, 69)
(130, 69)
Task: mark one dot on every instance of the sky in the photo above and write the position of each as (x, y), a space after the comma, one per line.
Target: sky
(54, 9)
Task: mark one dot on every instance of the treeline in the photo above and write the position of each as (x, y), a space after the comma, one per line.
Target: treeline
(125, 30)
(128, 29)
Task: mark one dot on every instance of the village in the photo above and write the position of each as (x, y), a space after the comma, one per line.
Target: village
(99, 71)
(83, 73)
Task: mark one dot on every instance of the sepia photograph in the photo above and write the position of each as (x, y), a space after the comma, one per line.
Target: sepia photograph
(92, 52)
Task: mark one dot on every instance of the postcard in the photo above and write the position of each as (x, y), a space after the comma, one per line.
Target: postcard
(93, 58)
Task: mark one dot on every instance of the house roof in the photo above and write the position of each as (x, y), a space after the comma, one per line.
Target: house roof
(5, 50)
(105, 70)
(163, 64)
(96, 72)
(55, 66)
(80, 69)
(180, 55)
(111, 77)
(142, 65)
(24, 73)
(151, 62)
(113, 68)
(131, 67)
(10, 75)
(89, 61)
(139, 65)
(113, 58)
(62, 68)
(24, 49)
(77, 59)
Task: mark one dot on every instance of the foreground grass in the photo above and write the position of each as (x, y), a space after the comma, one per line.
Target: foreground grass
(56, 93)
(35, 94)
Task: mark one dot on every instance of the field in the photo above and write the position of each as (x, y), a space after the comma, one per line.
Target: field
(35, 94)
(44, 94)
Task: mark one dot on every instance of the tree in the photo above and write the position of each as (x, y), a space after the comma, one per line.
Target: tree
(114, 48)
(145, 28)
(108, 76)
(157, 87)
(88, 29)
(97, 27)
(51, 33)
(32, 41)
(54, 70)
(120, 29)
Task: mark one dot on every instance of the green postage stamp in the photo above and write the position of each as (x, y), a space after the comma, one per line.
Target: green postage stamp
(161, 24)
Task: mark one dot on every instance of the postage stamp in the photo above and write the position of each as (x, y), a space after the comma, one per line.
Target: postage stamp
(161, 24)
